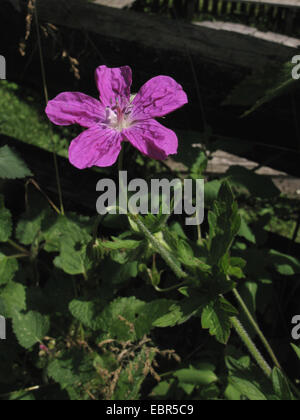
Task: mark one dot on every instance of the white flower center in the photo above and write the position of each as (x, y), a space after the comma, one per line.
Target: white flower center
(117, 118)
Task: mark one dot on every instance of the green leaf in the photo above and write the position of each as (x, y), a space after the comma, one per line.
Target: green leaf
(73, 258)
(248, 291)
(186, 254)
(284, 264)
(130, 318)
(57, 228)
(232, 394)
(30, 328)
(245, 378)
(236, 266)
(8, 268)
(162, 389)
(247, 388)
(30, 225)
(70, 236)
(73, 371)
(120, 244)
(5, 222)
(281, 386)
(226, 195)
(224, 224)
(87, 312)
(216, 317)
(14, 298)
(199, 166)
(11, 165)
(236, 272)
(211, 191)
(169, 313)
(296, 349)
(120, 319)
(114, 273)
(246, 232)
(204, 376)
(2, 306)
(133, 376)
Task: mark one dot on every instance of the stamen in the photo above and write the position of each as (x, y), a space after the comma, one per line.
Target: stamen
(118, 117)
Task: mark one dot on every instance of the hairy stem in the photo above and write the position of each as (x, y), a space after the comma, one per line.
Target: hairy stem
(170, 261)
(244, 336)
(181, 274)
(257, 329)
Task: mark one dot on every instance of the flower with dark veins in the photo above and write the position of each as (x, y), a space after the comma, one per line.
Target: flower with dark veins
(116, 118)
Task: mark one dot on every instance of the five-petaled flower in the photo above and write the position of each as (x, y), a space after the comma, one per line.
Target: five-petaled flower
(115, 118)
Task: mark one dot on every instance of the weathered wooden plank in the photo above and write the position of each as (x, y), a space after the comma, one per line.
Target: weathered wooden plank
(294, 4)
(223, 43)
(118, 4)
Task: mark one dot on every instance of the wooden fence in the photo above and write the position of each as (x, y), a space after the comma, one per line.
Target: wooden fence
(224, 43)
(281, 16)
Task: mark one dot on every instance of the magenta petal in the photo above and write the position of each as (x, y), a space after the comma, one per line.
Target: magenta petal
(158, 97)
(97, 146)
(152, 139)
(114, 84)
(75, 108)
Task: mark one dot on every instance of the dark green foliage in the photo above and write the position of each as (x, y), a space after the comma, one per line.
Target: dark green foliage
(145, 312)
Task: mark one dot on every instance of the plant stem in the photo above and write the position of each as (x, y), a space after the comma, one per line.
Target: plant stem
(235, 322)
(251, 346)
(169, 289)
(46, 100)
(96, 227)
(17, 256)
(264, 340)
(170, 261)
(31, 389)
(18, 247)
(257, 329)
(175, 267)
(200, 240)
(120, 160)
(36, 185)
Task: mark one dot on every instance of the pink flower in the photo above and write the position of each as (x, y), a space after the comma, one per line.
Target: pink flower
(115, 118)
(44, 348)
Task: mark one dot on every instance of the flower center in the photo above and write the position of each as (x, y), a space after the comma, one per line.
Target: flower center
(119, 118)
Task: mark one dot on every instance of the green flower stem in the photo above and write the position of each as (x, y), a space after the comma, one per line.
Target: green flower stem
(23, 391)
(170, 261)
(264, 340)
(120, 160)
(36, 185)
(100, 217)
(257, 329)
(251, 346)
(175, 267)
(170, 289)
(62, 211)
(18, 247)
(181, 274)
(17, 256)
(96, 227)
